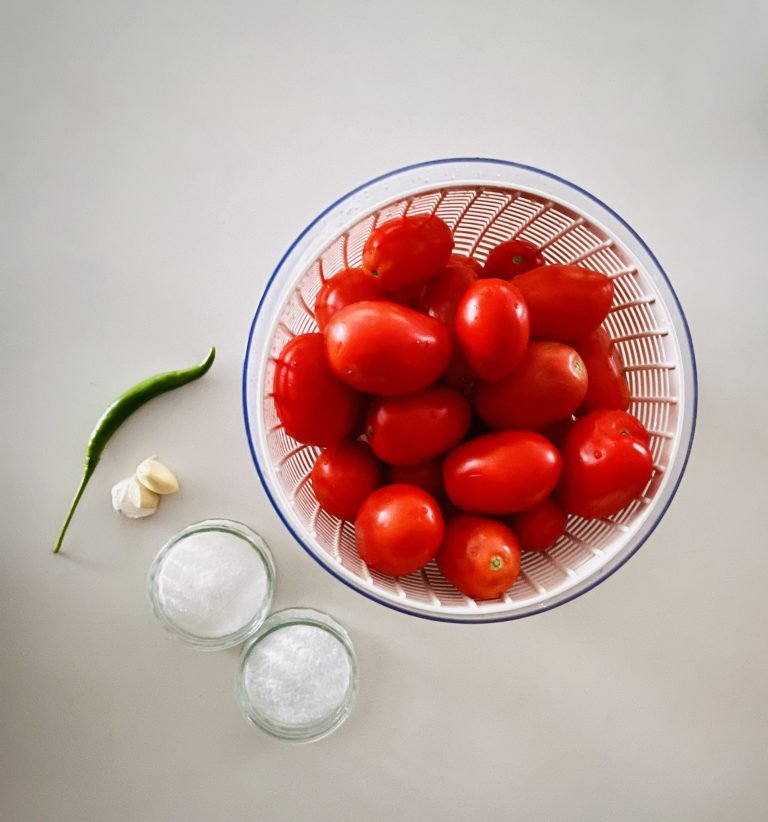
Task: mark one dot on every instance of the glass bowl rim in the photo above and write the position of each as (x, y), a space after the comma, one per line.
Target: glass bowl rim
(242, 531)
(276, 621)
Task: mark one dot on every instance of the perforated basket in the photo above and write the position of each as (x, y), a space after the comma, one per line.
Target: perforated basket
(485, 202)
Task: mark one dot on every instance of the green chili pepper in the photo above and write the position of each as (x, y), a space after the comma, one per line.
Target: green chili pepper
(118, 413)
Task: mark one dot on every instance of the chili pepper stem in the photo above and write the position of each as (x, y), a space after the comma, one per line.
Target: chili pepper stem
(90, 467)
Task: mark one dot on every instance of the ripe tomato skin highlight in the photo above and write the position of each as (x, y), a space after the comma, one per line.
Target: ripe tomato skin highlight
(607, 386)
(501, 473)
(427, 476)
(385, 348)
(407, 250)
(547, 385)
(511, 258)
(492, 328)
(413, 428)
(352, 285)
(398, 529)
(343, 476)
(304, 383)
(566, 303)
(479, 556)
(606, 463)
(538, 528)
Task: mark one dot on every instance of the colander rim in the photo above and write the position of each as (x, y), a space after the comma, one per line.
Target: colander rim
(693, 399)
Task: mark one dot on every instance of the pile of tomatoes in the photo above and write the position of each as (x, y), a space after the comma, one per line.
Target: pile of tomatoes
(464, 409)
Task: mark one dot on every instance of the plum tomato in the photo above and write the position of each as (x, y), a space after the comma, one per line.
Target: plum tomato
(607, 387)
(398, 529)
(343, 476)
(565, 302)
(606, 463)
(408, 296)
(458, 374)
(304, 383)
(352, 285)
(385, 348)
(555, 431)
(492, 328)
(442, 294)
(511, 258)
(501, 473)
(407, 250)
(463, 260)
(440, 300)
(479, 556)
(412, 428)
(547, 385)
(538, 528)
(426, 475)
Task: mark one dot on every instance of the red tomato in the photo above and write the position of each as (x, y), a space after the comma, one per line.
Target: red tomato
(426, 475)
(539, 527)
(565, 302)
(463, 260)
(413, 428)
(555, 431)
(303, 384)
(501, 473)
(442, 294)
(512, 258)
(607, 386)
(458, 374)
(479, 556)
(385, 348)
(606, 463)
(409, 296)
(547, 385)
(398, 529)
(352, 285)
(343, 476)
(407, 250)
(440, 299)
(492, 328)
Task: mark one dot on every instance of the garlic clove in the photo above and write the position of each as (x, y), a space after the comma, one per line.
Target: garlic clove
(127, 499)
(120, 493)
(141, 497)
(155, 476)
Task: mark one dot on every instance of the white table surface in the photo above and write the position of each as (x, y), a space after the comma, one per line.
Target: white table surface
(156, 159)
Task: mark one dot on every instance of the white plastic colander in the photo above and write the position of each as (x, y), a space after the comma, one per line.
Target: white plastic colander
(485, 202)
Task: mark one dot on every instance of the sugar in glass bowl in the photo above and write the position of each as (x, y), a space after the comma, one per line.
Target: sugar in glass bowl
(485, 202)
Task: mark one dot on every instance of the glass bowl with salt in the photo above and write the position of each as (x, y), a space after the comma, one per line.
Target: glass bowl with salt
(211, 585)
(298, 675)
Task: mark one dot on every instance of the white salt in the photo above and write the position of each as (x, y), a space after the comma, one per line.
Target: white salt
(298, 675)
(211, 584)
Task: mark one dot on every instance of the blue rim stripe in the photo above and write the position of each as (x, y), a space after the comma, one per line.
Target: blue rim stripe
(367, 594)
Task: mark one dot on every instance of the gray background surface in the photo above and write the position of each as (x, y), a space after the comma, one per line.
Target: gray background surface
(156, 159)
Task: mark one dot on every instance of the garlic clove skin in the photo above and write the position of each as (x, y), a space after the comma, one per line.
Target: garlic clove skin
(127, 499)
(156, 477)
(120, 493)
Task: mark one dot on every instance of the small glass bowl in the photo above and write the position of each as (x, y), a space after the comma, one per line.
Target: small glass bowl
(312, 730)
(212, 643)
